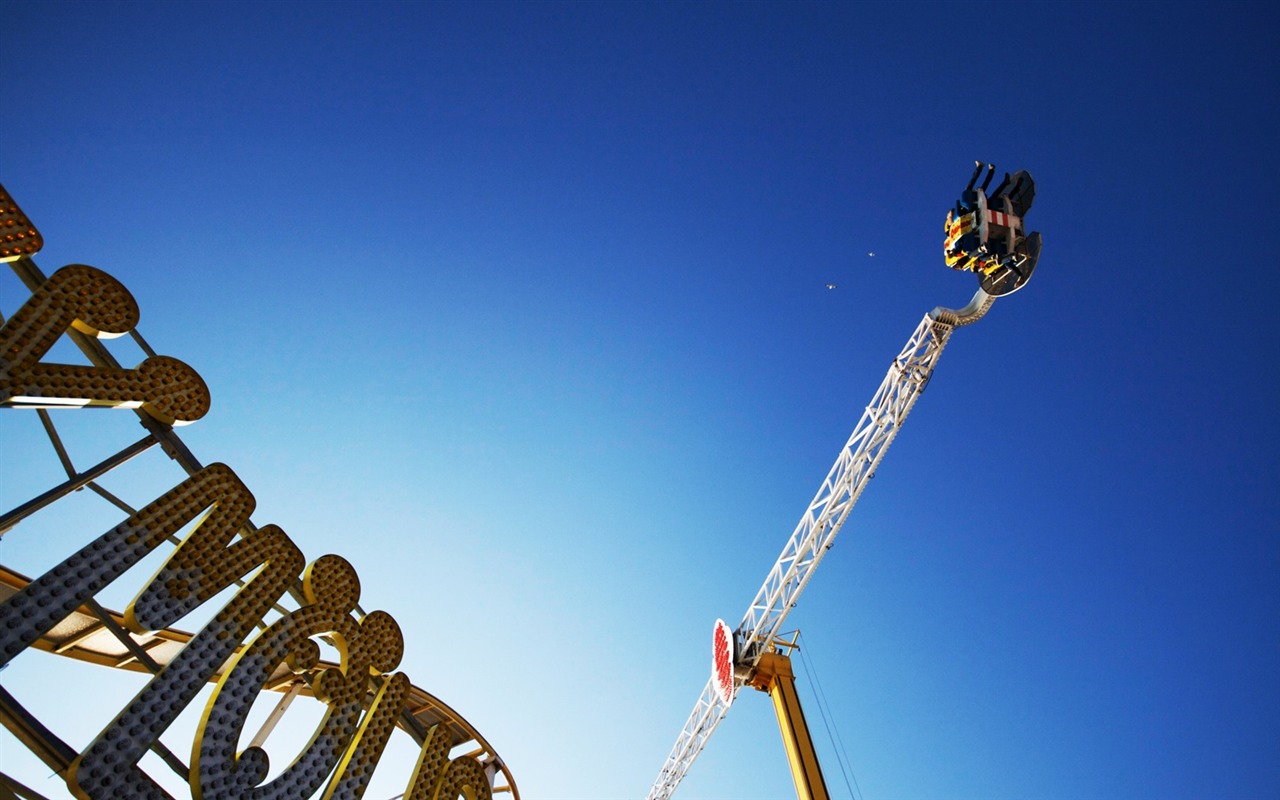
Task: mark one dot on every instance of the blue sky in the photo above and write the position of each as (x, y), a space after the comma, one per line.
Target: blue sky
(524, 305)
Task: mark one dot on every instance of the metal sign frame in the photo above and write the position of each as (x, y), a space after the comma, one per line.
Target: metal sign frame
(267, 637)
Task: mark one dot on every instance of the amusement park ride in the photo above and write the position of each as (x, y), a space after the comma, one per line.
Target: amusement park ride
(985, 234)
(264, 638)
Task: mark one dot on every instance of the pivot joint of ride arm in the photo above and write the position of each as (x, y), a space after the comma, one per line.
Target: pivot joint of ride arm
(771, 666)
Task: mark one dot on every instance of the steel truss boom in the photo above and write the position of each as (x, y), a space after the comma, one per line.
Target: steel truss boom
(822, 520)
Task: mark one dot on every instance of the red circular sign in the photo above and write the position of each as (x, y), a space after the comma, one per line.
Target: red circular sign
(722, 658)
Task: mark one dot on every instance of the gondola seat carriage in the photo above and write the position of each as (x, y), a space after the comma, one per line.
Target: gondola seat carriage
(986, 233)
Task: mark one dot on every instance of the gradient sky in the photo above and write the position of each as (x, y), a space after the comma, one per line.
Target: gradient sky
(522, 309)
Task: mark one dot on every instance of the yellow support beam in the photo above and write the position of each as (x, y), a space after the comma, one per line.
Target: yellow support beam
(773, 675)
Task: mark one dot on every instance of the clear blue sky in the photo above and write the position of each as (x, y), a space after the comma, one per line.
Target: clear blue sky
(524, 305)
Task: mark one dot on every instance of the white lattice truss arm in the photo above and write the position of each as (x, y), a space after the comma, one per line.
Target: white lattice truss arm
(822, 520)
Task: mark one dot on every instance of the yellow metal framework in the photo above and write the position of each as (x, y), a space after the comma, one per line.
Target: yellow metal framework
(96, 635)
(773, 674)
(266, 637)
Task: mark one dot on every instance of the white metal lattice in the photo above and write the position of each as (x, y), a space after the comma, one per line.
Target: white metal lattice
(822, 520)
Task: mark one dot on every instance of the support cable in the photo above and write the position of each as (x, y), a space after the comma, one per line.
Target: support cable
(828, 721)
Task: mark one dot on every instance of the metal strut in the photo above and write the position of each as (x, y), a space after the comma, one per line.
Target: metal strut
(822, 520)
